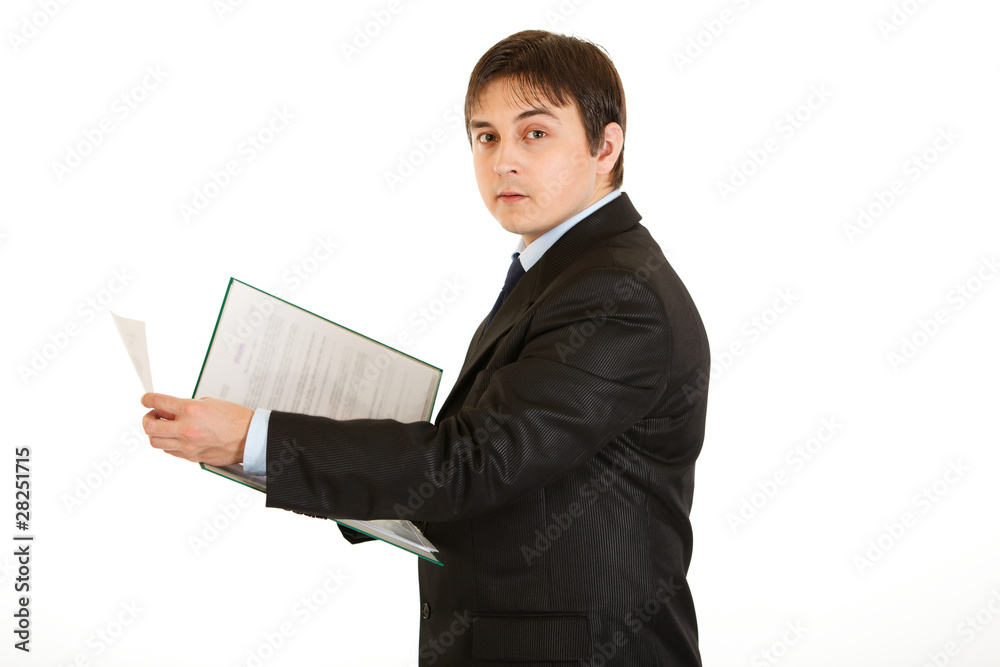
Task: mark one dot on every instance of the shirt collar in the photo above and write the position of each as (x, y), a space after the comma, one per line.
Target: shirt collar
(531, 254)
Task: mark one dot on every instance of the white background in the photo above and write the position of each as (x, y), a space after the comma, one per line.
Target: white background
(115, 520)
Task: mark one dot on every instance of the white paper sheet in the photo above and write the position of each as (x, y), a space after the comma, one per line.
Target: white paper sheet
(133, 333)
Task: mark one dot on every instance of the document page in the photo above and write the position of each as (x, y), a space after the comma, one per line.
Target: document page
(267, 353)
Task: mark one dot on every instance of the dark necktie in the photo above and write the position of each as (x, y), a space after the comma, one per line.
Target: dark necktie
(514, 274)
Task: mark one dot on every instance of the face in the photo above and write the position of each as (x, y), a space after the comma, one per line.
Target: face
(533, 163)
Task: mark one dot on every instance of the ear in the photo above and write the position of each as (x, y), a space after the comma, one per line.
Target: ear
(614, 142)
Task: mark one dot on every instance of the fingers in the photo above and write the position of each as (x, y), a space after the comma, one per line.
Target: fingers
(164, 405)
(160, 428)
(165, 444)
(176, 448)
(179, 455)
(171, 433)
(209, 430)
(173, 452)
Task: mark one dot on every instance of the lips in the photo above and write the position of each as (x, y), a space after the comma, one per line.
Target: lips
(510, 196)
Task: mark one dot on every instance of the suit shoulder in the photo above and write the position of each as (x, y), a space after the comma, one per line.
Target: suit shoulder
(632, 255)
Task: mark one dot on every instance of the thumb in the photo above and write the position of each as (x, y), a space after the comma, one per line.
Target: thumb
(166, 407)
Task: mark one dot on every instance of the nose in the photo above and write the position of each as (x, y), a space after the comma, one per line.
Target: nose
(506, 158)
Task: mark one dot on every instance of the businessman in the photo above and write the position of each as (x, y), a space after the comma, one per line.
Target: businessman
(558, 477)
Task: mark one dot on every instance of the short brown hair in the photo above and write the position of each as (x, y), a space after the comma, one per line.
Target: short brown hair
(561, 69)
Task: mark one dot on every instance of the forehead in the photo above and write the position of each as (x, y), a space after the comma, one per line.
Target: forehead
(514, 95)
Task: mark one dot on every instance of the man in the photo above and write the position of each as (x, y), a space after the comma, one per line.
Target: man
(562, 462)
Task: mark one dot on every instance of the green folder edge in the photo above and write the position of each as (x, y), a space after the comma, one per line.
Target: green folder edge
(218, 320)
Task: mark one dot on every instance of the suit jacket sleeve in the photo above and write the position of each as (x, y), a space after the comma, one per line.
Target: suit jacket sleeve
(582, 376)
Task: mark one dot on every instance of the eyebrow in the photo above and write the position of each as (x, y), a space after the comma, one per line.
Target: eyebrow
(527, 113)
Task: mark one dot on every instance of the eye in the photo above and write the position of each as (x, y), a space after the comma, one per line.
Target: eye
(536, 134)
(486, 137)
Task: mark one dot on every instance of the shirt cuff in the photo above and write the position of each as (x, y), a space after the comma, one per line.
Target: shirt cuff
(255, 450)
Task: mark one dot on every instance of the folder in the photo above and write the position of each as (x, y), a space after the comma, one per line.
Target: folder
(268, 353)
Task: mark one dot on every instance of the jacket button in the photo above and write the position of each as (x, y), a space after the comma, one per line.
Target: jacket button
(425, 611)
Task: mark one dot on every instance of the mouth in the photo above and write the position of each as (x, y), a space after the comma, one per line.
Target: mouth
(510, 196)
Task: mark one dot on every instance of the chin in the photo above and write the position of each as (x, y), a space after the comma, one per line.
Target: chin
(518, 227)
(508, 223)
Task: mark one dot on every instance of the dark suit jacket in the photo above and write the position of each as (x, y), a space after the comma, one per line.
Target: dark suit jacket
(558, 477)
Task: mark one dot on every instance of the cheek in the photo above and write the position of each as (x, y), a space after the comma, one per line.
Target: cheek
(564, 169)
(578, 174)
(484, 182)
(482, 164)
(482, 175)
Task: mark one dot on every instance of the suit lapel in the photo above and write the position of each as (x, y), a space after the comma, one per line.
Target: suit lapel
(613, 218)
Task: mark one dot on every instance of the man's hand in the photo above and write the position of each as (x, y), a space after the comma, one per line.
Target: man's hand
(207, 430)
